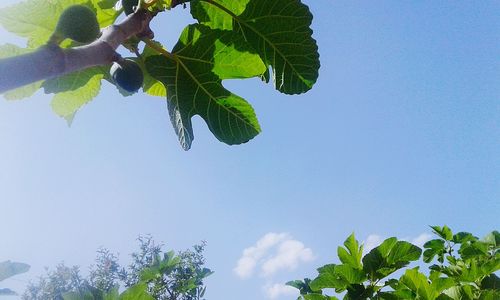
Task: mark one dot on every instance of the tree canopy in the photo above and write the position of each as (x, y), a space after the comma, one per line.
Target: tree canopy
(464, 268)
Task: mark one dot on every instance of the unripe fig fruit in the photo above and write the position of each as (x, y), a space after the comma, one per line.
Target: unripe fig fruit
(129, 6)
(79, 23)
(128, 75)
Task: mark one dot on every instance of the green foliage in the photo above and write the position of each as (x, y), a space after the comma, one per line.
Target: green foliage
(136, 292)
(204, 57)
(127, 74)
(153, 274)
(55, 283)
(74, 90)
(465, 270)
(79, 23)
(281, 37)
(232, 39)
(9, 269)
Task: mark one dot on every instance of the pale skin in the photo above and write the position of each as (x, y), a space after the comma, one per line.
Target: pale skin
(51, 61)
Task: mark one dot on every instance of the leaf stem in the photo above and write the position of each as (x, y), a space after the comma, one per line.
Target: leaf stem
(158, 49)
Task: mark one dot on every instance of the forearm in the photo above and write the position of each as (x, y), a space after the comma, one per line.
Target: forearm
(51, 61)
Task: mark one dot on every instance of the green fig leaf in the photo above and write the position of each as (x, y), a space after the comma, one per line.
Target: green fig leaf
(214, 17)
(278, 30)
(151, 86)
(74, 90)
(136, 292)
(193, 77)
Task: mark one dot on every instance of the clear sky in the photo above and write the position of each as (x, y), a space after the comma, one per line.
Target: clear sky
(401, 131)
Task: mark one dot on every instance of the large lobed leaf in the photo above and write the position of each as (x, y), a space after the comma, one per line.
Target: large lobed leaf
(418, 284)
(278, 30)
(151, 86)
(434, 247)
(74, 90)
(328, 278)
(338, 277)
(193, 77)
(352, 252)
(9, 269)
(136, 292)
(388, 257)
(443, 232)
(212, 16)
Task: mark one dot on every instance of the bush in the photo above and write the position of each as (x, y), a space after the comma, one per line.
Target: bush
(464, 268)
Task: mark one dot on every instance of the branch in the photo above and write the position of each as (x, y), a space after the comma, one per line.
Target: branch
(51, 61)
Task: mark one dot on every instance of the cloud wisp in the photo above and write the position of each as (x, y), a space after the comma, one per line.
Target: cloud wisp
(373, 240)
(289, 255)
(421, 239)
(272, 253)
(273, 291)
(252, 255)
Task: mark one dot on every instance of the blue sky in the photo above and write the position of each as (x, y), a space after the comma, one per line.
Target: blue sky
(400, 132)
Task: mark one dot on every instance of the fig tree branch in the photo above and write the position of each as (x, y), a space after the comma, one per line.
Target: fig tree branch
(51, 61)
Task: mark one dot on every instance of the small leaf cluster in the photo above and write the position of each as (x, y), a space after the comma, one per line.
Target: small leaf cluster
(465, 270)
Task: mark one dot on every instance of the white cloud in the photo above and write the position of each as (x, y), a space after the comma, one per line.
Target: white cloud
(272, 253)
(421, 239)
(277, 290)
(252, 255)
(288, 257)
(372, 241)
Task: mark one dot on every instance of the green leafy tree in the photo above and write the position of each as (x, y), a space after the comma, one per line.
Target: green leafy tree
(9, 269)
(465, 270)
(230, 39)
(55, 283)
(153, 274)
